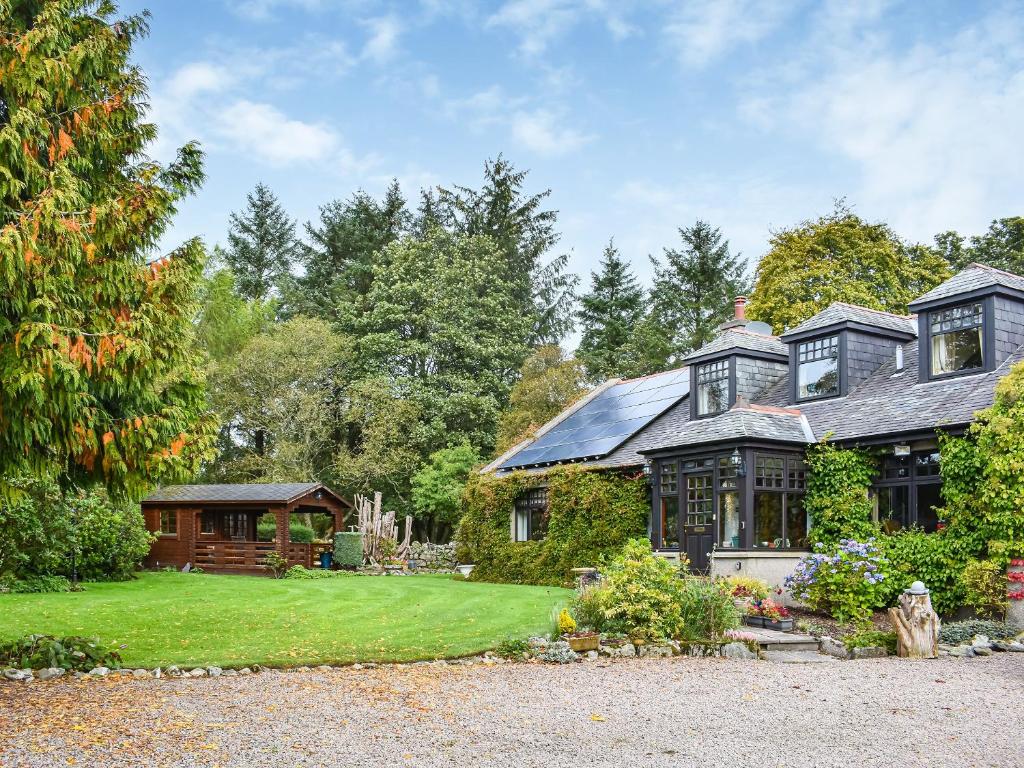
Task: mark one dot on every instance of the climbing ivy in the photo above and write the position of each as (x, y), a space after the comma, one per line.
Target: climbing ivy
(837, 493)
(592, 514)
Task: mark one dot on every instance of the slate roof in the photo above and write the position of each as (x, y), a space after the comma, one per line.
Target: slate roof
(226, 493)
(742, 422)
(740, 339)
(840, 312)
(975, 277)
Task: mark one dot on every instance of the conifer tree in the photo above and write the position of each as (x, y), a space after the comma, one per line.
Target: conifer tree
(695, 287)
(608, 315)
(261, 245)
(98, 369)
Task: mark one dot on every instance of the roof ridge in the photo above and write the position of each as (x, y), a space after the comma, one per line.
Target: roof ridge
(741, 329)
(869, 309)
(990, 268)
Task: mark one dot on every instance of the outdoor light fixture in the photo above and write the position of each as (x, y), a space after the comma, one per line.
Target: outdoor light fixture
(736, 460)
(648, 469)
(901, 450)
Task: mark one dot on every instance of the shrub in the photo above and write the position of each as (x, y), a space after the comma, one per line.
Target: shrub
(957, 632)
(276, 564)
(642, 594)
(843, 580)
(869, 638)
(566, 623)
(36, 584)
(301, 572)
(558, 653)
(297, 532)
(588, 610)
(592, 515)
(747, 586)
(707, 609)
(936, 559)
(984, 584)
(110, 538)
(348, 549)
(41, 651)
(512, 649)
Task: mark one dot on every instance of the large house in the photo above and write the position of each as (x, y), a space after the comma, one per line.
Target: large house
(722, 438)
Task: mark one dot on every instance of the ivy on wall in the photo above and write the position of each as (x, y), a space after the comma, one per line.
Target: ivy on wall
(837, 493)
(592, 513)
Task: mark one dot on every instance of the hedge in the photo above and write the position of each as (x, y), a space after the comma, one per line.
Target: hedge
(593, 514)
(348, 548)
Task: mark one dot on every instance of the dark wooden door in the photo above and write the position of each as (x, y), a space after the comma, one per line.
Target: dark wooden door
(698, 520)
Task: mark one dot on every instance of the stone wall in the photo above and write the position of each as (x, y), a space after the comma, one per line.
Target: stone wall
(432, 557)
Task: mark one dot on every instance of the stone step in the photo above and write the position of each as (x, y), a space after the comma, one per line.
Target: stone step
(798, 657)
(809, 645)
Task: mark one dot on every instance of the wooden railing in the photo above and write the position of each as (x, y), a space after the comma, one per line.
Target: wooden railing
(243, 555)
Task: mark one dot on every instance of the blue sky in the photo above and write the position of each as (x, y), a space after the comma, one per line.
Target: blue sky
(640, 116)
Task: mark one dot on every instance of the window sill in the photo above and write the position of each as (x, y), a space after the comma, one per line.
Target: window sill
(168, 535)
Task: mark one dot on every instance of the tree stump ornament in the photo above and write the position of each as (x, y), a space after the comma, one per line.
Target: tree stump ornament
(916, 624)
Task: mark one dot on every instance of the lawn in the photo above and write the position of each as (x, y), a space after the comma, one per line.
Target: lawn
(234, 621)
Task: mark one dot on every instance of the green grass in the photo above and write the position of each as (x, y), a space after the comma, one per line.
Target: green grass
(234, 621)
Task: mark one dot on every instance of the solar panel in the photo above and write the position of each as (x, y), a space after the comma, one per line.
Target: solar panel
(607, 421)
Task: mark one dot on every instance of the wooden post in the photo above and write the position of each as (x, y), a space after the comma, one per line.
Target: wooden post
(916, 624)
(283, 536)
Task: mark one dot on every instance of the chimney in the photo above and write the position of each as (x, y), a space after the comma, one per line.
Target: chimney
(741, 307)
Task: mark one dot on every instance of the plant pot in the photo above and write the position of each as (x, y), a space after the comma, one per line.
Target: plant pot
(782, 625)
(753, 621)
(583, 643)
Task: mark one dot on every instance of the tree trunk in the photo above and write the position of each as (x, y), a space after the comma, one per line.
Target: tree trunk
(917, 626)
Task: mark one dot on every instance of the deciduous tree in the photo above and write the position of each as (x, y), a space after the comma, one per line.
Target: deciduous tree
(1002, 246)
(437, 489)
(99, 374)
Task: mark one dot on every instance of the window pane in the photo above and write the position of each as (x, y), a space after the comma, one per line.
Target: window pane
(670, 522)
(796, 521)
(726, 473)
(169, 523)
(728, 520)
(818, 370)
(956, 339)
(522, 525)
(896, 467)
(698, 500)
(538, 523)
(769, 471)
(768, 520)
(208, 523)
(894, 507)
(669, 478)
(797, 474)
(926, 464)
(713, 387)
(929, 499)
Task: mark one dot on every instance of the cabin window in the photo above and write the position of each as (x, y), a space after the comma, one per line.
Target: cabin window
(780, 520)
(668, 488)
(908, 492)
(531, 515)
(712, 388)
(207, 523)
(818, 368)
(168, 523)
(956, 339)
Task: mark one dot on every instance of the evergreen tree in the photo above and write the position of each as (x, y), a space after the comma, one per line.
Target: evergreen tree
(261, 245)
(524, 232)
(608, 315)
(99, 374)
(649, 348)
(343, 251)
(694, 289)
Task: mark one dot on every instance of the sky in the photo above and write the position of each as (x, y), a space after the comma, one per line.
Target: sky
(640, 116)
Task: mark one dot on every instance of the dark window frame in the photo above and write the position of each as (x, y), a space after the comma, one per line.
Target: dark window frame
(913, 480)
(834, 342)
(988, 337)
(528, 502)
(793, 484)
(168, 523)
(728, 364)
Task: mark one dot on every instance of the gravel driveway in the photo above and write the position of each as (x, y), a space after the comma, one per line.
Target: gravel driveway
(673, 712)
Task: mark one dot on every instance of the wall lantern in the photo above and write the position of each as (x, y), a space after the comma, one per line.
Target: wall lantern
(648, 469)
(736, 460)
(901, 450)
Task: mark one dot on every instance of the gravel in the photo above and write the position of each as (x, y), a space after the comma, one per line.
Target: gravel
(648, 712)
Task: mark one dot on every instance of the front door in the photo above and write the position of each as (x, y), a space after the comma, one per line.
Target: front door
(698, 520)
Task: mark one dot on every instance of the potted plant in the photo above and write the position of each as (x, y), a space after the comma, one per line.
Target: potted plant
(753, 617)
(775, 616)
(579, 640)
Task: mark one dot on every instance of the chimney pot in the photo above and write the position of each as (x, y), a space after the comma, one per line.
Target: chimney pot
(741, 307)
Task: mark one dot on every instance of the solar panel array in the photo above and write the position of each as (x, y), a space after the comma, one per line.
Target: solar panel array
(605, 422)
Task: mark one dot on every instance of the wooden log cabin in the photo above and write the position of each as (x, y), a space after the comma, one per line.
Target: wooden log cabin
(214, 527)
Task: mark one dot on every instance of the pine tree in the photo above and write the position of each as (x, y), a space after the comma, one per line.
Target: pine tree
(608, 315)
(261, 245)
(694, 289)
(98, 369)
(525, 233)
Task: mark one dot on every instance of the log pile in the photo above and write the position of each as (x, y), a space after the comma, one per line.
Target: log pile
(380, 531)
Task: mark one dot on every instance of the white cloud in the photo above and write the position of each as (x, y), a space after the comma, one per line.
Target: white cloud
(198, 78)
(262, 10)
(541, 131)
(933, 131)
(539, 22)
(264, 131)
(703, 30)
(382, 44)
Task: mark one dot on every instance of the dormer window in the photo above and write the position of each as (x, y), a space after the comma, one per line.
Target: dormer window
(956, 339)
(818, 368)
(712, 388)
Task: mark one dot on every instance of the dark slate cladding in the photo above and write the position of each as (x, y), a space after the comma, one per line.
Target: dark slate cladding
(840, 313)
(865, 354)
(741, 422)
(755, 376)
(976, 277)
(736, 340)
(1009, 326)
